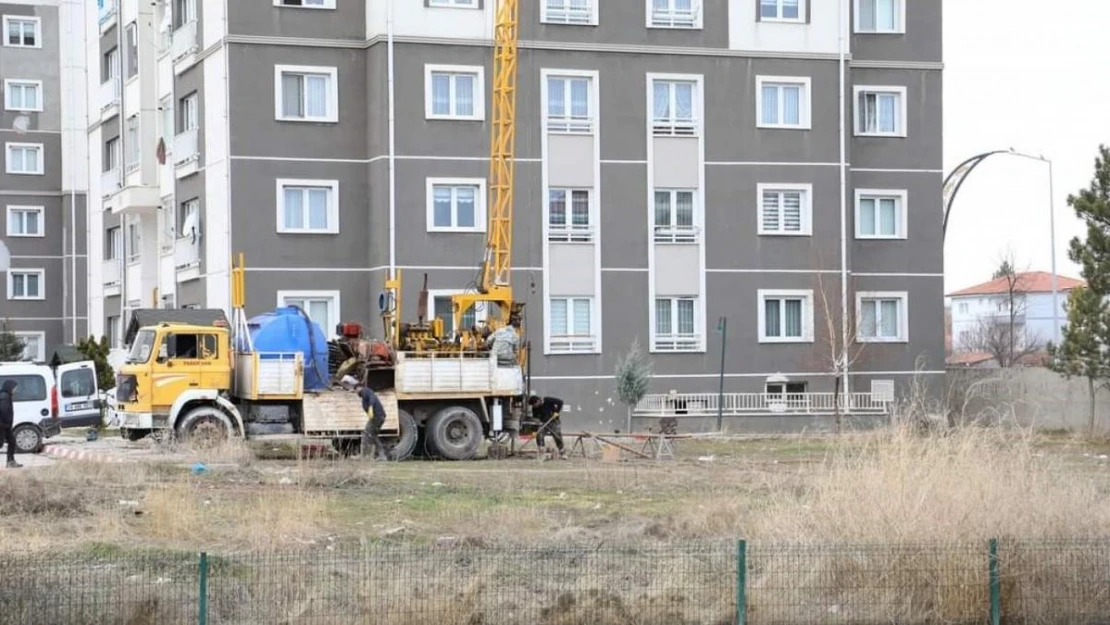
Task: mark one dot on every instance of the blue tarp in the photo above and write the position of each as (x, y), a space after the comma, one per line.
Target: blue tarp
(287, 330)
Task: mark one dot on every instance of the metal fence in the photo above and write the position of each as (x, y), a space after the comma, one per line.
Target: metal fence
(684, 584)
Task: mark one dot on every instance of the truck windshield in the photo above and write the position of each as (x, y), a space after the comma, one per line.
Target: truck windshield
(141, 348)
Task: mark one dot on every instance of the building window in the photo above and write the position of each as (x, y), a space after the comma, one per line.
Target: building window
(454, 92)
(308, 206)
(307, 94)
(674, 216)
(25, 221)
(456, 205)
(571, 325)
(569, 104)
(321, 306)
(963, 308)
(134, 242)
(190, 227)
(26, 283)
(111, 154)
(676, 324)
(880, 16)
(169, 224)
(109, 68)
(674, 14)
(454, 4)
(881, 317)
(443, 309)
(24, 158)
(23, 95)
(185, 11)
(190, 112)
(784, 209)
(113, 239)
(132, 43)
(783, 102)
(881, 111)
(782, 389)
(568, 215)
(880, 214)
(673, 108)
(22, 32)
(132, 147)
(782, 11)
(34, 346)
(112, 327)
(580, 12)
(785, 316)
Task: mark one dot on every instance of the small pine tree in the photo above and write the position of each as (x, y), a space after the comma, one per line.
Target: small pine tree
(633, 378)
(97, 351)
(11, 346)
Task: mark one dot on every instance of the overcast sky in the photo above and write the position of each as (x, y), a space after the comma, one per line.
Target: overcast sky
(1020, 75)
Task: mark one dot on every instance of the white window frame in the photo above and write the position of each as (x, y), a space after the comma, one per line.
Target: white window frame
(806, 295)
(8, 158)
(903, 316)
(963, 308)
(190, 112)
(481, 310)
(673, 127)
(128, 64)
(568, 232)
(568, 124)
(677, 342)
(669, 19)
(41, 273)
(569, 16)
(805, 105)
(479, 74)
(12, 82)
(801, 19)
(40, 337)
(133, 234)
(675, 234)
(900, 213)
(479, 204)
(189, 206)
(572, 343)
(325, 4)
(41, 210)
(900, 21)
(901, 109)
(806, 207)
(113, 154)
(332, 114)
(333, 205)
(132, 144)
(8, 19)
(453, 4)
(335, 313)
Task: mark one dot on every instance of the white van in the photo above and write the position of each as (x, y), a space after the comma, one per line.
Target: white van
(47, 400)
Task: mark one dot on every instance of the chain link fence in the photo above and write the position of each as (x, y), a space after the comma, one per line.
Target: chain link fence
(1012, 582)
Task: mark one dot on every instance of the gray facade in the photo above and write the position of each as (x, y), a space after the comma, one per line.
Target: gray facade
(727, 161)
(42, 202)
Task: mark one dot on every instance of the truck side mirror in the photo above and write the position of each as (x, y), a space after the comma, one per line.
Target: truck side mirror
(164, 352)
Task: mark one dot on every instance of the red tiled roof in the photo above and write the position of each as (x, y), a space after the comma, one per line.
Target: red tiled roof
(1029, 282)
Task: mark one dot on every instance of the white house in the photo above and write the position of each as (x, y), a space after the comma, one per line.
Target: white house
(989, 302)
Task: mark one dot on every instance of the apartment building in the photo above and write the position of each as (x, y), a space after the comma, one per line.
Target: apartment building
(43, 178)
(678, 162)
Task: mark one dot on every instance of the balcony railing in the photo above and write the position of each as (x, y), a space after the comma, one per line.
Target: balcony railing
(570, 234)
(184, 40)
(106, 11)
(677, 234)
(571, 124)
(109, 93)
(185, 146)
(746, 404)
(186, 253)
(677, 342)
(111, 272)
(674, 127)
(674, 18)
(109, 182)
(569, 343)
(566, 14)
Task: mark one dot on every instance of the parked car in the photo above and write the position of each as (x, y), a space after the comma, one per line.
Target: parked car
(48, 399)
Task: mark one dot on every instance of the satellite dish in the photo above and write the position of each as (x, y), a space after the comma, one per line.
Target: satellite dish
(5, 258)
(21, 124)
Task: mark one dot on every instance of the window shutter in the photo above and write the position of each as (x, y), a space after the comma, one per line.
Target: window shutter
(771, 212)
(792, 212)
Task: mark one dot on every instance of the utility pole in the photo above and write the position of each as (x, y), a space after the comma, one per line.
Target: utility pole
(722, 327)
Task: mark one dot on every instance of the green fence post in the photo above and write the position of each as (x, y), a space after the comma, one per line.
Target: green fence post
(996, 584)
(741, 582)
(202, 612)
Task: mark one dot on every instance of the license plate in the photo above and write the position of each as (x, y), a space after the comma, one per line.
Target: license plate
(78, 406)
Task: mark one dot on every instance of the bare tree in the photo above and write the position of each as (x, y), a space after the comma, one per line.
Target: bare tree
(1004, 335)
(831, 352)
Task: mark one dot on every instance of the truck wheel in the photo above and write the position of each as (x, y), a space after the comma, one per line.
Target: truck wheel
(205, 426)
(455, 433)
(28, 439)
(402, 446)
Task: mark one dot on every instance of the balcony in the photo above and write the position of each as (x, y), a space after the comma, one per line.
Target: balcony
(674, 18)
(107, 12)
(109, 182)
(109, 97)
(703, 405)
(186, 153)
(111, 276)
(134, 199)
(186, 258)
(184, 46)
(572, 343)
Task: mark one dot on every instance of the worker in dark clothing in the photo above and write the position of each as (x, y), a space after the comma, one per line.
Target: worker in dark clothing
(373, 407)
(7, 420)
(547, 410)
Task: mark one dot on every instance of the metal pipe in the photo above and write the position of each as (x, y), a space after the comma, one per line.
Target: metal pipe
(1052, 246)
(392, 144)
(722, 326)
(842, 57)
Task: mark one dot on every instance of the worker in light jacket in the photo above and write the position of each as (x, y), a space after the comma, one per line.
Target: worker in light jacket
(505, 342)
(7, 420)
(547, 410)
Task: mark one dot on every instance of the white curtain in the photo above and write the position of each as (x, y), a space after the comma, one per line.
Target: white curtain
(793, 318)
(318, 209)
(684, 101)
(556, 97)
(580, 97)
(770, 104)
(884, 14)
(867, 15)
(867, 320)
(867, 216)
(792, 105)
(317, 96)
(771, 211)
(441, 94)
(294, 208)
(889, 315)
(291, 95)
(663, 316)
(867, 112)
(887, 113)
(771, 321)
(685, 316)
(581, 317)
(887, 216)
(559, 317)
(465, 205)
(441, 201)
(464, 95)
(662, 100)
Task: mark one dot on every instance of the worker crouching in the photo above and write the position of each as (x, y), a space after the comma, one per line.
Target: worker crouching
(372, 447)
(547, 410)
